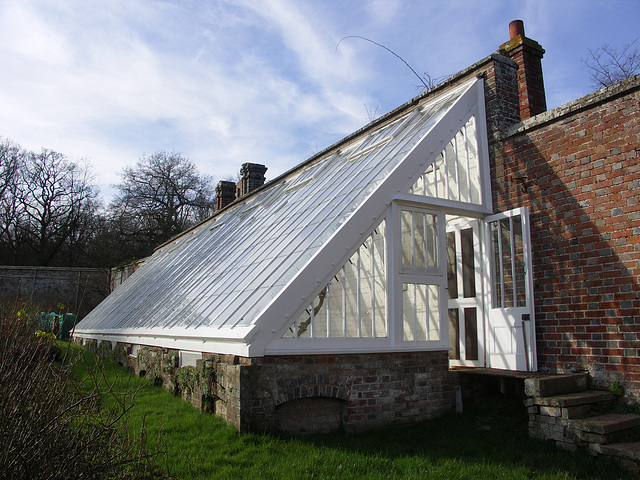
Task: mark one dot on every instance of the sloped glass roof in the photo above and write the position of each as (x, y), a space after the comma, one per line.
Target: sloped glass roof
(216, 280)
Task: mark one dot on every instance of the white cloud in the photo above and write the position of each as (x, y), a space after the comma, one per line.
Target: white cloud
(227, 81)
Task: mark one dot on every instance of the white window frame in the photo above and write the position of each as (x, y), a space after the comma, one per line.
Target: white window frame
(400, 275)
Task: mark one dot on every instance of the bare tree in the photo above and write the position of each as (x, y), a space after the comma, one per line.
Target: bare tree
(46, 201)
(161, 196)
(58, 196)
(607, 65)
(12, 159)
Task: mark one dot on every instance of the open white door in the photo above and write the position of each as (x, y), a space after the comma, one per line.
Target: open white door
(464, 286)
(510, 332)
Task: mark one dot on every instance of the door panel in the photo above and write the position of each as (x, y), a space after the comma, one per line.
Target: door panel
(464, 281)
(510, 322)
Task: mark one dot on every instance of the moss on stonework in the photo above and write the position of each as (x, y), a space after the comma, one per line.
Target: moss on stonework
(186, 379)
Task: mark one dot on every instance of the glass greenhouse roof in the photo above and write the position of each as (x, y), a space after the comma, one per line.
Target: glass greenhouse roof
(219, 281)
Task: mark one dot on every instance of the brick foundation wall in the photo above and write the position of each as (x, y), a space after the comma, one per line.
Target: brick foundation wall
(377, 389)
(301, 394)
(578, 169)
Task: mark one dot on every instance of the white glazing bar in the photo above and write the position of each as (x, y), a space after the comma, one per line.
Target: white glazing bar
(359, 296)
(513, 262)
(344, 302)
(501, 260)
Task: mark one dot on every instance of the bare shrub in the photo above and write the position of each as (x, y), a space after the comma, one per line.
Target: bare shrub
(55, 426)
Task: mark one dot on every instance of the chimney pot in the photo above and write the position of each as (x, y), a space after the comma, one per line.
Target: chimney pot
(516, 28)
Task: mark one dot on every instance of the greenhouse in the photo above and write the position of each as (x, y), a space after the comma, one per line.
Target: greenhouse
(384, 243)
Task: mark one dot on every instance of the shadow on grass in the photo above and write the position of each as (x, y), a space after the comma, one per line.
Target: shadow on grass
(489, 440)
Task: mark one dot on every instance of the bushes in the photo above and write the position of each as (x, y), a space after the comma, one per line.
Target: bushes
(56, 426)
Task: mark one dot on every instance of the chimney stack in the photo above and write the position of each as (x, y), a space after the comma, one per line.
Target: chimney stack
(225, 194)
(528, 55)
(252, 177)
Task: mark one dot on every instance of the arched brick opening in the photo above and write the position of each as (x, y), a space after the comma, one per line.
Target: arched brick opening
(310, 415)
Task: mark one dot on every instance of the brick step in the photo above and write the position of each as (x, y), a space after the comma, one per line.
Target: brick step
(553, 385)
(605, 429)
(571, 405)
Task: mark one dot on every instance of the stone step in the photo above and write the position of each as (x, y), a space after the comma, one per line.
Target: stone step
(605, 429)
(587, 397)
(627, 454)
(553, 385)
(608, 423)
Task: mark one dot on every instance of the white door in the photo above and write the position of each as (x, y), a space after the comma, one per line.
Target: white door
(509, 286)
(464, 286)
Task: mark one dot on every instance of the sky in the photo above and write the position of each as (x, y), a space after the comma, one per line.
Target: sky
(225, 82)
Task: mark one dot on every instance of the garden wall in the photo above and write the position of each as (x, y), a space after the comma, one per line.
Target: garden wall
(79, 289)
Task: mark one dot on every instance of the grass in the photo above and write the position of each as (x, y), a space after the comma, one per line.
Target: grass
(489, 440)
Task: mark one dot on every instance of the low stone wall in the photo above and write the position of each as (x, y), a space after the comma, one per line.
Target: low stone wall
(301, 393)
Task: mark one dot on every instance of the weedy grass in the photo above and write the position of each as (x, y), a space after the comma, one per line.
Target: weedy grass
(489, 440)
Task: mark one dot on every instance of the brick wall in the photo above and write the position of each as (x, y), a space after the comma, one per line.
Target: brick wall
(302, 394)
(578, 169)
(376, 389)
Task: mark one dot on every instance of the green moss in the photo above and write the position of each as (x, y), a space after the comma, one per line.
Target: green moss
(616, 388)
(186, 379)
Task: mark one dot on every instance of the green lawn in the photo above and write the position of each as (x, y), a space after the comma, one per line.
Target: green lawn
(489, 440)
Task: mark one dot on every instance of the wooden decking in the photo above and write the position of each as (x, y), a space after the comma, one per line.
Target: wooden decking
(494, 372)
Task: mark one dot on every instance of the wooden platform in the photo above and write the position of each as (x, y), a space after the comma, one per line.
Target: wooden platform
(495, 372)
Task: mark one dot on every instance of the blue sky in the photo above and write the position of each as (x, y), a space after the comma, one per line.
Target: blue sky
(228, 82)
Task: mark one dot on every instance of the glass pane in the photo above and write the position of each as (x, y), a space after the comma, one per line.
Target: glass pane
(495, 265)
(407, 237)
(320, 315)
(452, 266)
(518, 246)
(454, 334)
(434, 312)
(507, 276)
(471, 333)
(463, 165)
(420, 313)
(290, 332)
(304, 323)
(441, 177)
(418, 187)
(380, 282)
(472, 156)
(366, 288)
(351, 296)
(420, 239)
(422, 308)
(408, 311)
(452, 171)
(335, 306)
(468, 263)
(432, 239)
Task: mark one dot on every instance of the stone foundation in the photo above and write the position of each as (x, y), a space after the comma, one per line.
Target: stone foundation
(301, 393)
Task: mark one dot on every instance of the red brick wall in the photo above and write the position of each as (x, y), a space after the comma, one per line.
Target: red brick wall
(578, 168)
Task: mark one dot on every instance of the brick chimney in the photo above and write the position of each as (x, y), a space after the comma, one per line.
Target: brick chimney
(252, 177)
(225, 194)
(528, 55)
